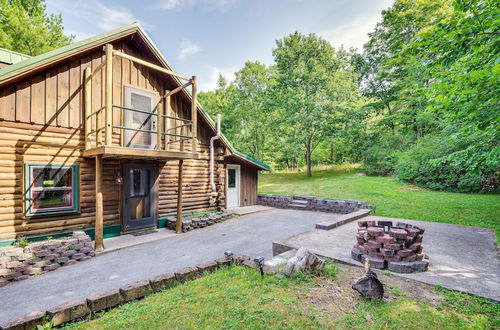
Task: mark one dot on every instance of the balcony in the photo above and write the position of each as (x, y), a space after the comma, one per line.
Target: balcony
(144, 126)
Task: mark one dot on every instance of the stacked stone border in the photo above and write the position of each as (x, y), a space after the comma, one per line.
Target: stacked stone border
(191, 223)
(80, 308)
(19, 263)
(397, 247)
(342, 206)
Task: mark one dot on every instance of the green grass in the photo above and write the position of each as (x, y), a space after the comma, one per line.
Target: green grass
(392, 198)
(238, 298)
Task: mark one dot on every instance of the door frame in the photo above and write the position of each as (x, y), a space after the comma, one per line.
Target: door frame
(128, 114)
(153, 193)
(237, 167)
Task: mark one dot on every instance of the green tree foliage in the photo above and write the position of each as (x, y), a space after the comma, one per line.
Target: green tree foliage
(26, 28)
(314, 87)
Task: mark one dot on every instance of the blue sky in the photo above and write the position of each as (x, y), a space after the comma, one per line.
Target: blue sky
(208, 37)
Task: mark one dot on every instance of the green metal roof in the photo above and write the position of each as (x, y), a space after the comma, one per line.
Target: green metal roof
(11, 57)
(252, 159)
(61, 52)
(26, 65)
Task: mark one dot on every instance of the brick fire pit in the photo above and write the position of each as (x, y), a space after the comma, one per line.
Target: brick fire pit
(395, 247)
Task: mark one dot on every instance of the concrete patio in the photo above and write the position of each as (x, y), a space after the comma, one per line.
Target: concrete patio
(465, 260)
(462, 258)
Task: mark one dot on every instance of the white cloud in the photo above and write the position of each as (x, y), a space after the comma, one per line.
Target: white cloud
(221, 6)
(187, 48)
(210, 82)
(352, 34)
(105, 17)
(78, 34)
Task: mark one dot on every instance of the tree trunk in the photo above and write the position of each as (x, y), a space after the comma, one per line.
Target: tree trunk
(308, 156)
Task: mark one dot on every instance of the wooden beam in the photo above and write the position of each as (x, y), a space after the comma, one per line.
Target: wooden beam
(138, 153)
(167, 120)
(178, 89)
(150, 65)
(178, 222)
(108, 49)
(194, 116)
(88, 106)
(99, 207)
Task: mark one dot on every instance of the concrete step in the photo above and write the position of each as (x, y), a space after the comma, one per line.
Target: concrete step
(327, 225)
(301, 206)
(299, 201)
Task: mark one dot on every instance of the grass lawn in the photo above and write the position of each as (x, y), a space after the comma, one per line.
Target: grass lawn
(237, 297)
(392, 199)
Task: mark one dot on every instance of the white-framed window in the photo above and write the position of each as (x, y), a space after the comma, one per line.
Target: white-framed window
(142, 125)
(51, 188)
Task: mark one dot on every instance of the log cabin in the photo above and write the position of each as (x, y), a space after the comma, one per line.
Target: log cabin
(103, 135)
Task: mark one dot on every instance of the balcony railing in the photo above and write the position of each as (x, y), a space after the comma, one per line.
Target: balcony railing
(100, 134)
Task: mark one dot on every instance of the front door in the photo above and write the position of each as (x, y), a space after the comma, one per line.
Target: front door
(139, 200)
(233, 186)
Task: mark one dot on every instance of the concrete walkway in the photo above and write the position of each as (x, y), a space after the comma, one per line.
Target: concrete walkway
(462, 258)
(251, 234)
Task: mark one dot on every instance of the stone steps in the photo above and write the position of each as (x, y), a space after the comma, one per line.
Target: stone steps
(298, 203)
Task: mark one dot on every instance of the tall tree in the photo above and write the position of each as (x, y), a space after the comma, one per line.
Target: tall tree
(25, 27)
(314, 84)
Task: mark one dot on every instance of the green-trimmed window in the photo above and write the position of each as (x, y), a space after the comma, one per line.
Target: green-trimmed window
(51, 188)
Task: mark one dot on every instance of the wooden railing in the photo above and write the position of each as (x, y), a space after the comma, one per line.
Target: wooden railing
(94, 137)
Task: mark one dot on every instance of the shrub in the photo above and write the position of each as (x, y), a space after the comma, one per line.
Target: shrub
(380, 158)
(454, 162)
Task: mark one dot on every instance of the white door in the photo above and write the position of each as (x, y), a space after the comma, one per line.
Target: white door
(233, 186)
(143, 124)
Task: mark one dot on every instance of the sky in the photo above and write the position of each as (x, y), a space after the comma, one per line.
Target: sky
(208, 37)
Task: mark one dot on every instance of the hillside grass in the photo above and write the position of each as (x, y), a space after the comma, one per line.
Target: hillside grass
(392, 198)
(238, 298)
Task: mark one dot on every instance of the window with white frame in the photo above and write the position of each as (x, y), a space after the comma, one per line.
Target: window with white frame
(51, 188)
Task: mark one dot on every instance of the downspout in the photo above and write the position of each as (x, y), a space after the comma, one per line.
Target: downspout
(213, 194)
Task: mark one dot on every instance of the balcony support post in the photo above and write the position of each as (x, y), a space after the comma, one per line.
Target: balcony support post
(99, 205)
(178, 222)
(167, 120)
(194, 116)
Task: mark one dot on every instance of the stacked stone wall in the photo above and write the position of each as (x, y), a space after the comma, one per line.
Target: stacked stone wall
(341, 206)
(19, 263)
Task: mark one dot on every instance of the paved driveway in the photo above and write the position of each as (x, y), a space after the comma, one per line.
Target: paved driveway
(251, 234)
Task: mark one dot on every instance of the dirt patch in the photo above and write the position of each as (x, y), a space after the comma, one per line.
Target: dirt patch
(336, 297)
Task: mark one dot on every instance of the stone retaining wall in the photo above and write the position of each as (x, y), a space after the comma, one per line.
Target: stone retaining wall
(18, 263)
(342, 206)
(79, 308)
(191, 223)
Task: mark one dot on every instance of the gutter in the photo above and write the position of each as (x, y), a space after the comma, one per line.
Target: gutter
(213, 194)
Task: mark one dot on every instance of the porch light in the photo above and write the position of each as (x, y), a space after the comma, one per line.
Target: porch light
(260, 261)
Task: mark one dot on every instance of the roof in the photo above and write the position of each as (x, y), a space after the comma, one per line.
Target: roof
(11, 57)
(19, 69)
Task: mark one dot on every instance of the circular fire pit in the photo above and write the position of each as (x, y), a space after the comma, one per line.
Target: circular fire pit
(397, 248)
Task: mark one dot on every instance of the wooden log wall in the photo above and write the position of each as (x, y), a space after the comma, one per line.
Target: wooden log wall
(41, 121)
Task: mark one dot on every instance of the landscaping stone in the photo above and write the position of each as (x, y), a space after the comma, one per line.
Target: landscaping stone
(249, 263)
(104, 300)
(223, 262)
(208, 266)
(68, 311)
(400, 267)
(25, 322)
(51, 267)
(304, 260)
(163, 281)
(186, 274)
(135, 290)
(238, 259)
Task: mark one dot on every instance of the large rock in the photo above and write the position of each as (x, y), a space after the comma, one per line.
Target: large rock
(304, 261)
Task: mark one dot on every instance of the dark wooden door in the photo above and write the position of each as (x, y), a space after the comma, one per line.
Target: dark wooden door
(139, 196)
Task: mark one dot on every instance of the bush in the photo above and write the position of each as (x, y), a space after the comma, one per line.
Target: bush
(380, 158)
(454, 162)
